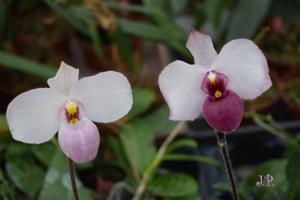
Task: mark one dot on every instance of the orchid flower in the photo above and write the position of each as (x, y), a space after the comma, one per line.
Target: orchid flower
(69, 106)
(216, 83)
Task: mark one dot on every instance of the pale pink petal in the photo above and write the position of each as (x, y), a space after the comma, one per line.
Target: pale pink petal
(202, 48)
(180, 84)
(80, 142)
(33, 116)
(246, 67)
(65, 78)
(106, 97)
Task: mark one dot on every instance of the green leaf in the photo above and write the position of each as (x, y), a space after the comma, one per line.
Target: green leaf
(15, 62)
(26, 174)
(6, 189)
(173, 185)
(128, 7)
(69, 16)
(44, 152)
(184, 157)
(123, 42)
(276, 168)
(159, 121)
(293, 173)
(178, 6)
(142, 98)
(213, 11)
(182, 143)
(246, 18)
(143, 29)
(57, 184)
(188, 197)
(3, 125)
(137, 141)
(121, 157)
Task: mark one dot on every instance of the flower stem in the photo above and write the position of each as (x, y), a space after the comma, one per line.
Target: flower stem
(155, 162)
(73, 181)
(223, 148)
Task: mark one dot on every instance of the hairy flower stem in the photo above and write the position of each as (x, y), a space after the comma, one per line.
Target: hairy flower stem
(156, 162)
(73, 181)
(223, 148)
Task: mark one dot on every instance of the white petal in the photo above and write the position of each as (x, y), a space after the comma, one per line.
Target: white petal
(202, 48)
(106, 96)
(246, 67)
(180, 84)
(33, 116)
(65, 78)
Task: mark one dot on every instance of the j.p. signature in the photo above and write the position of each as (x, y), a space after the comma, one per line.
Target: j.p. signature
(265, 181)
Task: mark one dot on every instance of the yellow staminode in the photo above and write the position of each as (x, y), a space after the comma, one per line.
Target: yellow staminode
(71, 108)
(218, 94)
(212, 77)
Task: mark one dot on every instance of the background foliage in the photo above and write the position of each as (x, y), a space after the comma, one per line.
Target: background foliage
(138, 38)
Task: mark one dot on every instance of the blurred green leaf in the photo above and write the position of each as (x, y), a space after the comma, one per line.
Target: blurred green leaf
(194, 196)
(293, 174)
(213, 10)
(3, 125)
(26, 174)
(121, 156)
(276, 168)
(129, 7)
(44, 152)
(178, 6)
(142, 98)
(185, 157)
(224, 186)
(159, 121)
(173, 185)
(152, 3)
(69, 16)
(81, 19)
(6, 189)
(57, 184)
(190, 143)
(15, 62)
(137, 141)
(124, 45)
(143, 29)
(246, 18)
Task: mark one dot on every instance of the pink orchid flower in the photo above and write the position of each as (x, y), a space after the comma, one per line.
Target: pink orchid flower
(68, 107)
(216, 83)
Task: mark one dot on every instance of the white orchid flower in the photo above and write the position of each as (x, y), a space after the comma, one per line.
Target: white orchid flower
(216, 83)
(69, 106)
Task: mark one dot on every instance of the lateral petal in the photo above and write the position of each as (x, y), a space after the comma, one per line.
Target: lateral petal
(33, 116)
(180, 84)
(246, 67)
(106, 96)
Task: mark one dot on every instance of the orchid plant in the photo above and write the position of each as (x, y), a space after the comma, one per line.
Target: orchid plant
(215, 86)
(69, 106)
